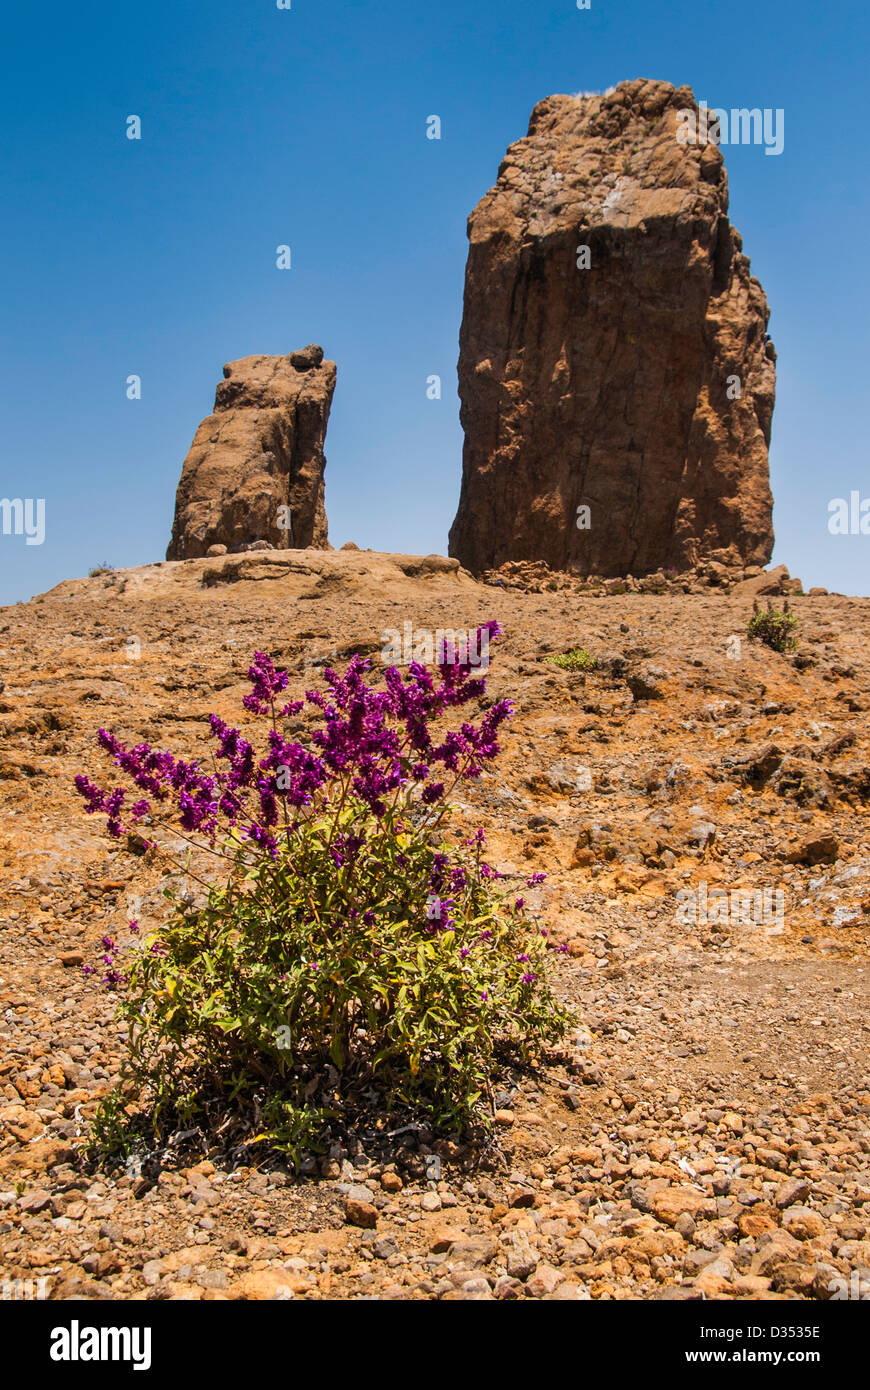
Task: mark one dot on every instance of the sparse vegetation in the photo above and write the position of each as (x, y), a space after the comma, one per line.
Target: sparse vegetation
(772, 626)
(577, 659)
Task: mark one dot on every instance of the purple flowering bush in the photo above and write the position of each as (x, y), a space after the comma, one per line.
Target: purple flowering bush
(345, 946)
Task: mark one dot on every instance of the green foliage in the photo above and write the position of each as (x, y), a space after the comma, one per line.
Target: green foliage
(773, 627)
(301, 977)
(347, 963)
(577, 659)
(98, 570)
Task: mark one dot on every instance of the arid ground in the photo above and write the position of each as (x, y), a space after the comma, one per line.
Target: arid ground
(708, 1135)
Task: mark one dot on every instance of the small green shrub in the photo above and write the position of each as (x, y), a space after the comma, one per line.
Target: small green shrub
(348, 954)
(577, 659)
(773, 627)
(98, 570)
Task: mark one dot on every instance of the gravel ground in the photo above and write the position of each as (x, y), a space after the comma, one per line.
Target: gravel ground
(705, 1136)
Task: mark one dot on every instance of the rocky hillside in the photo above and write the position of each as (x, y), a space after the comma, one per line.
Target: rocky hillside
(699, 804)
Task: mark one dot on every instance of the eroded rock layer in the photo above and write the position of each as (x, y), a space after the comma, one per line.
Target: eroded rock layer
(635, 378)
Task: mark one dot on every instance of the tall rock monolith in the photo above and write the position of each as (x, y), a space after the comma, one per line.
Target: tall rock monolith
(255, 469)
(615, 373)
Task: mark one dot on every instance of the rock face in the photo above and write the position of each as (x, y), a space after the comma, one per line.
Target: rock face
(609, 379)
(261, 450)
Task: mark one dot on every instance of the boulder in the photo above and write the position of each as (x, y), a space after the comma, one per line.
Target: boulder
(261, 451)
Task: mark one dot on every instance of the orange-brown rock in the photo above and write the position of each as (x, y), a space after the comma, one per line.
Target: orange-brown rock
(260, 451)
(613, 351)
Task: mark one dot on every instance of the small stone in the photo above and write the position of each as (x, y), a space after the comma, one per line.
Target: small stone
(803, 1223)
(814, 849)
(504, 1117)
(358, 1192)
(685, 1225)
(384, 1248)
(798, 1190)
(34, 1201)
(544, 1280)
(22, 1124)
(712, 1285)
(265, 1285)
(357, 1213)
(754, 1223)
(522, 1260)
(670, 1204)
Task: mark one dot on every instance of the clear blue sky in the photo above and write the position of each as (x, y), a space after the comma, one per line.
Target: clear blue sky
(263, 126)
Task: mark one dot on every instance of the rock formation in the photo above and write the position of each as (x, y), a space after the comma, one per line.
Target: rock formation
(634, 378)
(261, 450)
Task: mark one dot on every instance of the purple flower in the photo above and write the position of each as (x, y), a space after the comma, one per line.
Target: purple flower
(266, 683)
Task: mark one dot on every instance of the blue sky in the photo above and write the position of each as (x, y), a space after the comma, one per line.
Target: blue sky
(308, 127)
